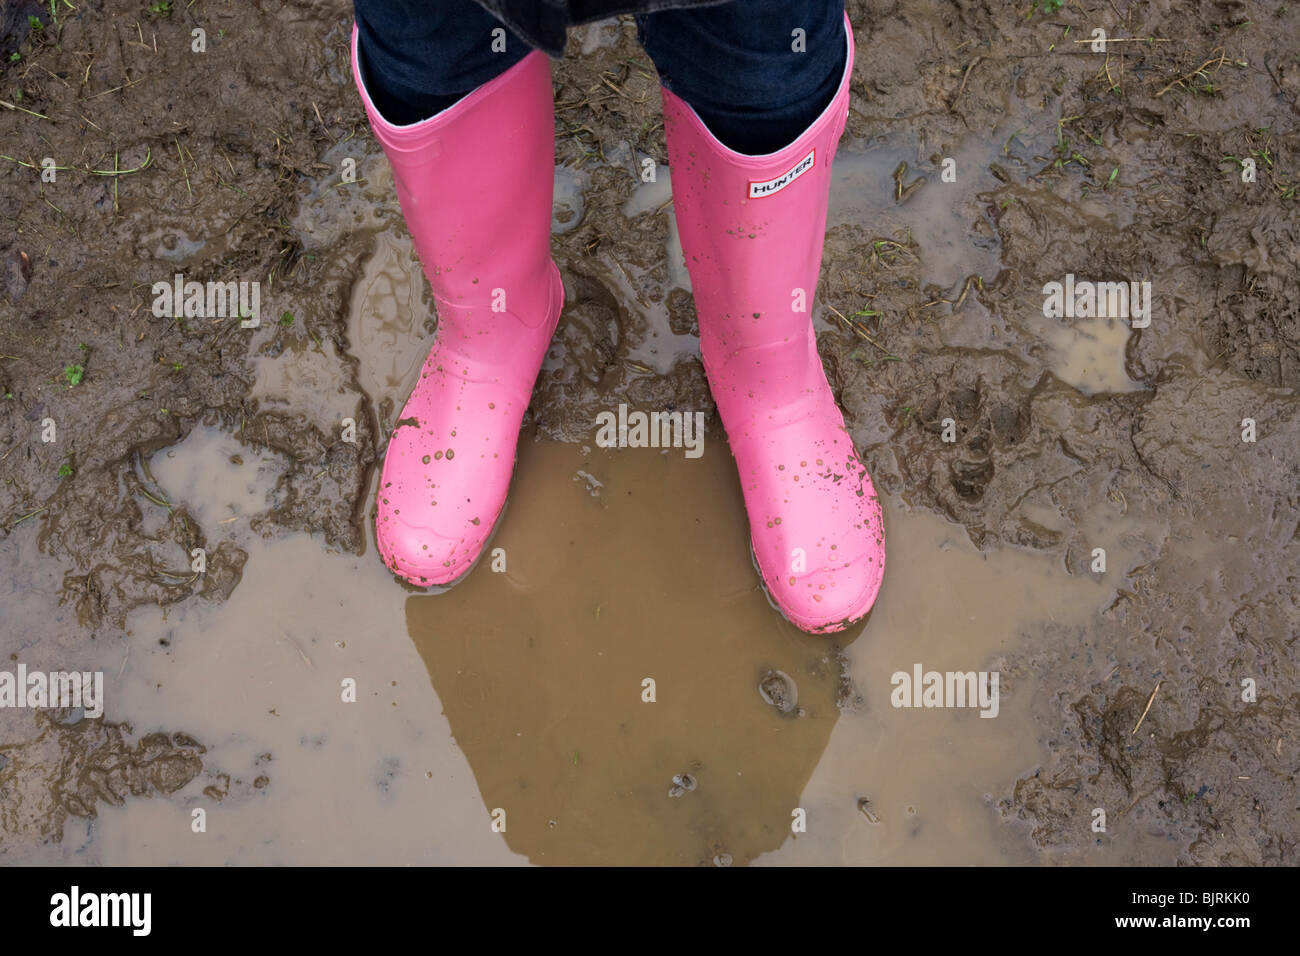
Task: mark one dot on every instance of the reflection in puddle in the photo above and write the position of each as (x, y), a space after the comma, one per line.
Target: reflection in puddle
(386, 321)
(1089, 353)
(305, 378)
(650, 581)
(569, 203)
(943, 217)
(661, 347)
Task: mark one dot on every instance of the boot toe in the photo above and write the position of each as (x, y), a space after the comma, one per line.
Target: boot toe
(827, 600)
(425, 556)
(818, 533)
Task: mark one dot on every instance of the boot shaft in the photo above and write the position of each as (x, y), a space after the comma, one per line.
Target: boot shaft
(752, 227)
(475, 186)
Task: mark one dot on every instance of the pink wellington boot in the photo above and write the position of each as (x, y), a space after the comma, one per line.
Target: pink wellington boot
(752, 229)
(474, 182)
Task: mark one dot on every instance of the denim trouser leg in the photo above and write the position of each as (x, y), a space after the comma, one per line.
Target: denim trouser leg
(742, 66)
(752, 77)
(420, 56)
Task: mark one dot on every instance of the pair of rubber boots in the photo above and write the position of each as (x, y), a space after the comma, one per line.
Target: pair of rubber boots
(475, 187)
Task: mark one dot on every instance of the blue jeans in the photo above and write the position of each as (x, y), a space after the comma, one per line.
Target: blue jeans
(742, 66)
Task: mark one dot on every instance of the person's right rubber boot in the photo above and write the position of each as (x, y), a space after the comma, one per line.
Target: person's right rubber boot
(752, 229)
(474, 182)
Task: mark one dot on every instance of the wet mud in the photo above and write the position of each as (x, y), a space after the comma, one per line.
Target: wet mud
(1123, 689)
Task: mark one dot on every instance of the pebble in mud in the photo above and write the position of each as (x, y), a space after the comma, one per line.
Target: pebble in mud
(682, 783)
(777, 688)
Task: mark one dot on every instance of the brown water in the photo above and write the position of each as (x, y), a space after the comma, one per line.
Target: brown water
(522, 689)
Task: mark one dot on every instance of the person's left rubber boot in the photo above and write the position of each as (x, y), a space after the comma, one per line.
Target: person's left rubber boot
(752, 230)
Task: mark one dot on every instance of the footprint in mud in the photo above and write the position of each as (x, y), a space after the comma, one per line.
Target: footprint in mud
(778, 689)
(986, 424)
(970, 478)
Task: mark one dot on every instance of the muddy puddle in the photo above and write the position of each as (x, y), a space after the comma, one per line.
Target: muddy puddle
(938, 204)
(519, 698)
(521, 690)
(508, 719)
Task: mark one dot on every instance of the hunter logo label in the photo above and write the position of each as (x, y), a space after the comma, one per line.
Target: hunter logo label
(771, 186)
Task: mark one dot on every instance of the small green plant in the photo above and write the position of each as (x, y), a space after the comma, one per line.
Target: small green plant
(35, 22)
(73, 374)
(15, 56)
(1065, 152)
(1050, 6)
(161, 8)
(65, 470)
(177, 366)
(286, 319)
